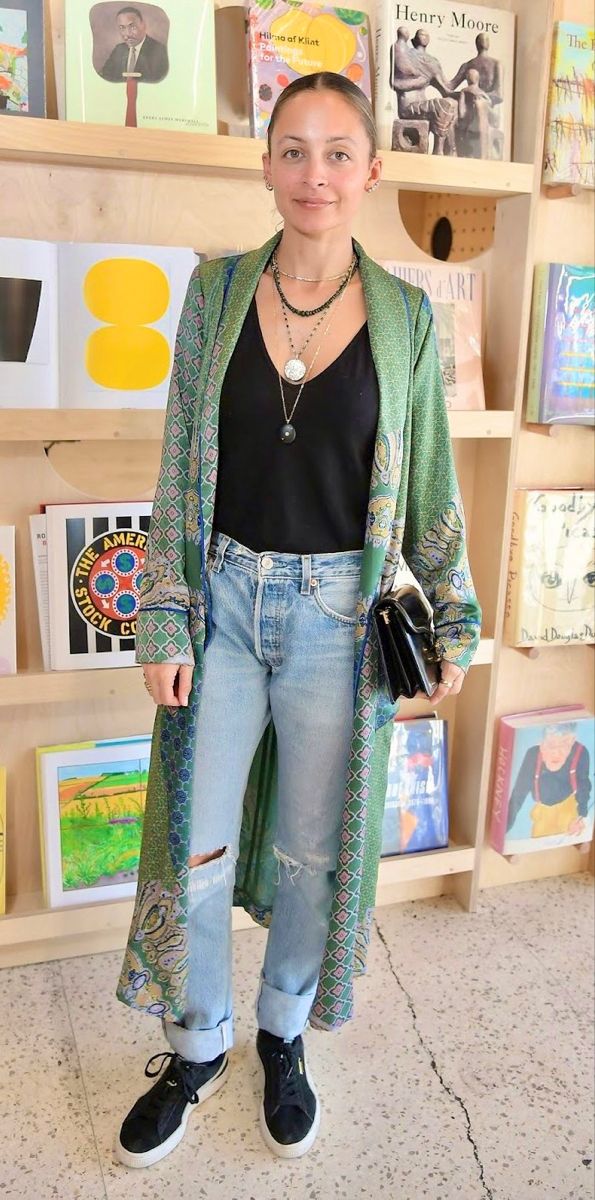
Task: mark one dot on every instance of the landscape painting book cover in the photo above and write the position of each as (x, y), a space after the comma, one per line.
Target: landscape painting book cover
(93, 803)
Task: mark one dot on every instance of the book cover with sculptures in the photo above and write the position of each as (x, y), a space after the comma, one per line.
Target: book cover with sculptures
(289, 39)
(569, 147)
(444, 79)
(143, 65)
(551, 571)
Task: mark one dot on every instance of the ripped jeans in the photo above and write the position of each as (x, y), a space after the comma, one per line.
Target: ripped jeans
(282, 648)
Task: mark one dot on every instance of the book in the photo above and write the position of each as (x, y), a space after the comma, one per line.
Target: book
(416, 805)
(543, 782)
(561, 354)
(22, 59)
(569, 145)
(91, 799)
(2, 840)
(8, 628)
(96, 555)
(551, 570)
(89, 325)
(444, 79)
(148, 65)
(287, 39)
(39, 549)
(456, 296)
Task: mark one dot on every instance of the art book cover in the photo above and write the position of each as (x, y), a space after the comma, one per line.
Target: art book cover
(148, 65)
(96, 555)
(543, 783)
(39, 550)
(2, 840)
(551, 571)
(456, 295)
(561, 357)
(89, 325)
(416, 805)
(288, 38)
(91, 808)
(22, 63)
(444, 79)
(8, 624)
(569, 147)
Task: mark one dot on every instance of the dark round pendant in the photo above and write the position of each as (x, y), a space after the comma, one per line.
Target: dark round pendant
(287, 434)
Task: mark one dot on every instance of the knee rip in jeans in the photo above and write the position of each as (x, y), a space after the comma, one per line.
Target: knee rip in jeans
(294, 867)
(215, 870)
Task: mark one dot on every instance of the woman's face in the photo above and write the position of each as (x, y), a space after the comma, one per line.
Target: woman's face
(320, 162)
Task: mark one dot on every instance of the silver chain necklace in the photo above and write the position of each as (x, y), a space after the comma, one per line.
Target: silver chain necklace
(287, 431)
(294, 368)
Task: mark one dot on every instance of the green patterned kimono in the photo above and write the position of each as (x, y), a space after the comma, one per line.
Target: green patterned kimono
(414, 509)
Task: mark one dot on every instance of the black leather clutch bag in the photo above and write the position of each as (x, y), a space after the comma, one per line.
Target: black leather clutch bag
(407, 644)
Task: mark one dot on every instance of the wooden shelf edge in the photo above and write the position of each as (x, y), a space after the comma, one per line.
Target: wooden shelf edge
(427, 864)
(74, 143)
(122, 424)
(51, 687)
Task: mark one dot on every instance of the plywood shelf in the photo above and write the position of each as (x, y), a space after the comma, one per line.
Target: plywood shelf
(123, 424)
(62, 687)
(55, 687)
(31, 932)
(74, 143)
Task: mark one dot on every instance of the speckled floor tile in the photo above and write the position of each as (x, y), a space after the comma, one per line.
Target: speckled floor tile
(465, 1075)
(48, 1147)
(511, 1037)
(381, 1101)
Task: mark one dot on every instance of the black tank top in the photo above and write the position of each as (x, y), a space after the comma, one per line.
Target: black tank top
(310, 496)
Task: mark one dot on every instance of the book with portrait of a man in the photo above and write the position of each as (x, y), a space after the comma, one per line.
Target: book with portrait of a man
(444, 79)
(141, 64)
(542, 794)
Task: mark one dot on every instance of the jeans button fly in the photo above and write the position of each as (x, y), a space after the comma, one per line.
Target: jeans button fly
(266, 562)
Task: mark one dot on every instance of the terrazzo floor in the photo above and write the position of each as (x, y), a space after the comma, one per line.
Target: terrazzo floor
(467, 1073)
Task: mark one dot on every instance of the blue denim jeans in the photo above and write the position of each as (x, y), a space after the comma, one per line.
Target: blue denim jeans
(282, 648)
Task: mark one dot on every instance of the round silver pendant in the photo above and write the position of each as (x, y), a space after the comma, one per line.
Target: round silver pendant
(294, 370)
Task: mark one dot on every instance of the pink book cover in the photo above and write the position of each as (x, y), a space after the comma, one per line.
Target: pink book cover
(456, 295)
(537, 752)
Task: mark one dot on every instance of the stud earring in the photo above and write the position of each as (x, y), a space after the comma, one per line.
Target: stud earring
(268, 186)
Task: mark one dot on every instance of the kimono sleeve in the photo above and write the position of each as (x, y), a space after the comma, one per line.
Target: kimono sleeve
(434, 545)
(162, 632)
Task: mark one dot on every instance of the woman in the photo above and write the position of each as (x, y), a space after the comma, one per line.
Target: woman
(306, 446)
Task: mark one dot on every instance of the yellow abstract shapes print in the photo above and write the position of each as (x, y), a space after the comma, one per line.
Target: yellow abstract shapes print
(128, 295)
(5, 588)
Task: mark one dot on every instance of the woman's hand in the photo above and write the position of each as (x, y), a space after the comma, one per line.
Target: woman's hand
(168, 683)
(451, 682)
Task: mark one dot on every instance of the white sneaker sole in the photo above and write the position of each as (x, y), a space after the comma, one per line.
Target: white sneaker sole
(154, 1156)
(294, 1149)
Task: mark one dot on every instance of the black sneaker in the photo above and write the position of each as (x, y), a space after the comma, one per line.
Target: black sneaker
(157, 1122)
(290, 1112)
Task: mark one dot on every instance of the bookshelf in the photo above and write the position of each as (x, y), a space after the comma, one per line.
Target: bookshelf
(83, 182)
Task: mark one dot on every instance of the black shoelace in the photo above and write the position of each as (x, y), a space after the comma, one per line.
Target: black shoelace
(287, 1079)
(177, 1075)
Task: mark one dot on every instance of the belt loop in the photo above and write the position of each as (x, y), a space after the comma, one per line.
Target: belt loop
(221, 548)
(306, 574)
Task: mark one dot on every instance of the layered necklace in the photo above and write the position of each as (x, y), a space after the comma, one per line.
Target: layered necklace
(295, 368)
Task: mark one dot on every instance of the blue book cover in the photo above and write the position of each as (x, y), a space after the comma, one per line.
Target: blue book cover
(416, 806)
(568, 370)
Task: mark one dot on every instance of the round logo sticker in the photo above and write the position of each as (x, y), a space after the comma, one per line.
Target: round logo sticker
(106, 579)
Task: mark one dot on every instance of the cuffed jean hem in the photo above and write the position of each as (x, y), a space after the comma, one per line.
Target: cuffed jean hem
(199, 1045)
(280, 1013)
